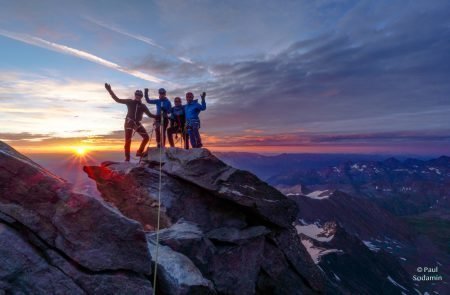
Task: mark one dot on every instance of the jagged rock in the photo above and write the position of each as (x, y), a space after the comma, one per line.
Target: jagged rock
(224, 220)
(188, 239)
(64, 242)
(349, 266)
(24, 270)
(237, 236)
(177, 275)
(200, 167)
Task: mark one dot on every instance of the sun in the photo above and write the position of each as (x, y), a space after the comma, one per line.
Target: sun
(80, 151)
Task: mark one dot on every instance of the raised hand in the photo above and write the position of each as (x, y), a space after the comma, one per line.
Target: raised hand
(203, 95)
(108, 87)
(146, 90)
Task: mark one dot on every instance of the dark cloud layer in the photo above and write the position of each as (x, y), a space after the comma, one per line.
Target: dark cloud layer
(368, 75)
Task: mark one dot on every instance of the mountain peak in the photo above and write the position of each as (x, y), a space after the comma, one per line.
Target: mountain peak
(209, 207)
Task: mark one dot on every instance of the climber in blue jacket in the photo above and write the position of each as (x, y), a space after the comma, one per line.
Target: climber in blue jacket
(163, 108)
(192, 109)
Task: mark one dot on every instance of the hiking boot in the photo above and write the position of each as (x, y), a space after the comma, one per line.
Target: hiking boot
(141, 154)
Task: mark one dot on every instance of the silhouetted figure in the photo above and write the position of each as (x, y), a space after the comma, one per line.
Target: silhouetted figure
(177, 123)
(136, 109)
(163, 106)
(192, 109)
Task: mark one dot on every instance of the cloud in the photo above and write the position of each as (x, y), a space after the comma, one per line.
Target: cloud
(41, 104)
(138, 37)
(23, 136)
(390, 74)
(36, 41)
(119, 30)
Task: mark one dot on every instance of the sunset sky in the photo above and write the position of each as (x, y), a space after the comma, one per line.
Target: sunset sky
(281, 76)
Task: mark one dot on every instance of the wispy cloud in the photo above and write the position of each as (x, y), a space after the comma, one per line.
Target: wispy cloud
(138, 37)
(116, 29)
(36, 41)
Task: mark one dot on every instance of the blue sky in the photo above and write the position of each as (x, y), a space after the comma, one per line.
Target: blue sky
(292, 75)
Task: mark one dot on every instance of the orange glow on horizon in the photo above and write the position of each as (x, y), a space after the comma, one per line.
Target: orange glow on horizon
(84, 150)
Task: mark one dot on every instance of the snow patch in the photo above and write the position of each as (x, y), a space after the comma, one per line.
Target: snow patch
(316, 252)
(395, 283)
(336, 277)
(319, 195)
(249, 187)
(435, 170)
(314, 232)
(371, 246)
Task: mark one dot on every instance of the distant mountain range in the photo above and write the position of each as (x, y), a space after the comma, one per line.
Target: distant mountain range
(265, 166)
(404, 187)
(391, 213)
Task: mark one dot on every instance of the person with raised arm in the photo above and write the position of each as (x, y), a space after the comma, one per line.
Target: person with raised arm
(136, 109)
(163, 107)
(192, 109)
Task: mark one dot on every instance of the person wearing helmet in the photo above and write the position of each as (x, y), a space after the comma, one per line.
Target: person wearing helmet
(163, 107)
(177, 123)
(192, 109)
(136, 109)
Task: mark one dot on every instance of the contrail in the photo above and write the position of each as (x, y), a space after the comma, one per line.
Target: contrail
(137, 37)
(36, 41)
(123, 32)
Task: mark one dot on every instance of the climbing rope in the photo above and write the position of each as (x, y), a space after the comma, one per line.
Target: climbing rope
(159, 202)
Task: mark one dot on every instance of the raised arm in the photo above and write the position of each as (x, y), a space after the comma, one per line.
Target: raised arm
(113, 95)
(203, 104)
(147, 99)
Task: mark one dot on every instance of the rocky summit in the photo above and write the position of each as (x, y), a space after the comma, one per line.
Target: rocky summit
(222, 231)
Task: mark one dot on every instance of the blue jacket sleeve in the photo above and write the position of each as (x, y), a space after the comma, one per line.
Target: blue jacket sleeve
(203, 105)
(151, 101)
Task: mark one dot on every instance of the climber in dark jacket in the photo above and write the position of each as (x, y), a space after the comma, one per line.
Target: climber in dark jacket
(136, 109)
(192, 109)
(163, 107)
(177, 124)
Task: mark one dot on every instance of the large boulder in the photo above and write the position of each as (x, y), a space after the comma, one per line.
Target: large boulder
(64, 242)
(177, 274)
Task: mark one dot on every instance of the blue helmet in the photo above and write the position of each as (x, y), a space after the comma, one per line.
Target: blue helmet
(162, 91)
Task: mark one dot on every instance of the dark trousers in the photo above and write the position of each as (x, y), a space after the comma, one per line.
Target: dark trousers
(193, 127)
(176, 130)
(131, 126)
(158, 132)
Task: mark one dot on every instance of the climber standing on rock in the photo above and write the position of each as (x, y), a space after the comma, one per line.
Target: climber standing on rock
(192, 109)
(177, 123)
(163, 107)
(136, 109)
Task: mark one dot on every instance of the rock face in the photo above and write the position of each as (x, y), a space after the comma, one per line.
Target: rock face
(221, 223)
(54, 241)
(373, 236)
